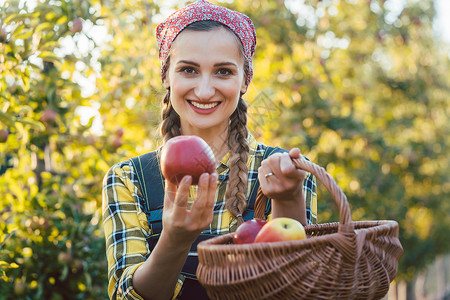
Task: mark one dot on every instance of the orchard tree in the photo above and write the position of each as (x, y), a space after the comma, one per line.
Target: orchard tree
(51, 165)
(363, 91)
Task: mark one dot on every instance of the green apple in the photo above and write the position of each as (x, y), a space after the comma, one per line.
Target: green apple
(281, 229)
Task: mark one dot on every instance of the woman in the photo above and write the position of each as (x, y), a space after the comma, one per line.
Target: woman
(206, 55)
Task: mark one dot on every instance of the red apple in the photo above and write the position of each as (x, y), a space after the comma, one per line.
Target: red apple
(48, 116)
(186, 155)
(3, 35)
(117, 142)
(246, 233)
(119, 132)
(76, 25)
(3, 135)
(281, 229)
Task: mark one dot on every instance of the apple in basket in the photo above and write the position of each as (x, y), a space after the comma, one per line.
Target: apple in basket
(246, 233)
(186, 155)
(281, 229)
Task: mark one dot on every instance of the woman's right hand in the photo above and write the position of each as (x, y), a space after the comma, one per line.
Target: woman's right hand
(181, 225)
(156, 278)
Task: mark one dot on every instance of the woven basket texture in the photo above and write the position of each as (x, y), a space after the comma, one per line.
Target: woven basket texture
(342, 260)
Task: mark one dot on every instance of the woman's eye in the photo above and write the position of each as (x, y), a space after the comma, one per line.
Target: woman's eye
(224, 72)
(187, 70)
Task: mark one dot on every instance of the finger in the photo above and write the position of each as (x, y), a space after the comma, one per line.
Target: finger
(208, 211)
(287, 167)
(265, 171)
(264, 181)
(169, 195)
(181, 198)
(295, 153)
(274, 164)
(202, 193)
(212, 190)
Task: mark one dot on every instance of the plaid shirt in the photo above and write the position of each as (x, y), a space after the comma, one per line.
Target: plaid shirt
(126, 226)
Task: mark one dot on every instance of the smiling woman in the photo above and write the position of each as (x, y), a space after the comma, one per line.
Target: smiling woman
(153, 226)
(205, 79)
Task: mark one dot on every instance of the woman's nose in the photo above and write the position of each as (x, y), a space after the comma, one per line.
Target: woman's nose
(205, 88)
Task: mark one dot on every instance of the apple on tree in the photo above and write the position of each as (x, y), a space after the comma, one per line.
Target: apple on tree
(76, 25)
(3, 35)
(116, 142)
(247, 231)
(3, 135)
(48, 116)
(281, 229)
(186, 155)
(119, 132)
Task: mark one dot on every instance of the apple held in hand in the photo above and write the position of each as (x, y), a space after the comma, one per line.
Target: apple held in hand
(281, 229)
(247, 232)
(186, 155)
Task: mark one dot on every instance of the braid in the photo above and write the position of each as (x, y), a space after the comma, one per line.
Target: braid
(170, 125)
(235, 197)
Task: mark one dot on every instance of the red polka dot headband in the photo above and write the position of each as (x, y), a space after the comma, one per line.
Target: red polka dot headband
(201, 10)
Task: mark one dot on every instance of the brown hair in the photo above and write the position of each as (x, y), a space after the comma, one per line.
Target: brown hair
(236, 194)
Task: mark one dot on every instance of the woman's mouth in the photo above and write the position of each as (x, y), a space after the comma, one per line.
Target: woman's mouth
(204, 105)
(204, 108)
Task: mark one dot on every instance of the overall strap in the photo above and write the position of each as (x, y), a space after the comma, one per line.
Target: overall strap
(252, 197)
(151, 181)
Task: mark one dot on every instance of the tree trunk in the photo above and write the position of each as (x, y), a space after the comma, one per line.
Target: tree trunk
(401, 290)
(419, 284)
(392, 293)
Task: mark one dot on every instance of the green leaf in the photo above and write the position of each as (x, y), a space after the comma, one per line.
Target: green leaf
(21, 17)
(7, 236)
(51, 95)
(50, 16)
(12, 18)
(18, 30)
(43, 27)
(89, 123)
(26, 83)
(34, 123)
(24, 35)
(49, 56)
(64, 273)
(25, 109)
(62, 20)
(7, 119)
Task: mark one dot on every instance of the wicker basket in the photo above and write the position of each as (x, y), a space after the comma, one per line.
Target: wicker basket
(345, 260)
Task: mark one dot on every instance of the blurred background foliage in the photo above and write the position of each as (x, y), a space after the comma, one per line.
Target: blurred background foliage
(363, 93)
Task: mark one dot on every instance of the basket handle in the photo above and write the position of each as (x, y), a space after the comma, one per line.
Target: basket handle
(345, 218)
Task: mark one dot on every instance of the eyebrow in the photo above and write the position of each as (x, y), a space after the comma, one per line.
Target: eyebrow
(215, 65)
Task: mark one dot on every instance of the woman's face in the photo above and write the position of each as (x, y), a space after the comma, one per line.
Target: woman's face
(205, 77)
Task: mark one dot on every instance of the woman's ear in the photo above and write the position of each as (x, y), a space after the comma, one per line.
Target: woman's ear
(244, 87)
(165, 82)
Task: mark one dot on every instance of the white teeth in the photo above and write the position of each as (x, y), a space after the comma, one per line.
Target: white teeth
(204, 106)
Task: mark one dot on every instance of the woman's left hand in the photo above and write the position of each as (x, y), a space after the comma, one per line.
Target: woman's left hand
(279, 178)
